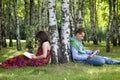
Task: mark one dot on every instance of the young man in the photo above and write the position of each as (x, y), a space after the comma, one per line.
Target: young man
(80, 54)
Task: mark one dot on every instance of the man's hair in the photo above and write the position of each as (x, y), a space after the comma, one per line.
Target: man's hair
(80, 30)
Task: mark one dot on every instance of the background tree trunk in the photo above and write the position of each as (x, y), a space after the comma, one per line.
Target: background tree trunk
(80, 14)
(74, 17)
(31, 27)
(26, 21)
(92, 22)
(119, 39)
(109, 27)
(72, 25)
(74, 9)
(44, 14)
(10, 23)
(39, 16)
(3, 27)
(96, 20)
(0, 23)
(65, 31)
(17, 26)
(115, 23)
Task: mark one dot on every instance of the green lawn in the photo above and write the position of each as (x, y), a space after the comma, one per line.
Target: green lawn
(68, 71)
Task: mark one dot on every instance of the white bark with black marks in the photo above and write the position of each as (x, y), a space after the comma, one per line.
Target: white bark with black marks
(65, 30)
(53, 30)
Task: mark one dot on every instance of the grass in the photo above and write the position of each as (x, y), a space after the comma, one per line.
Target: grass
(67, 71)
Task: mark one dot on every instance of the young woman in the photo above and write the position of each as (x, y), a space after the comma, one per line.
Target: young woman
(81, 54)
(42, 56)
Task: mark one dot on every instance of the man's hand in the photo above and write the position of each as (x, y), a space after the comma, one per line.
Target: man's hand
(90, 56)
(94, 53)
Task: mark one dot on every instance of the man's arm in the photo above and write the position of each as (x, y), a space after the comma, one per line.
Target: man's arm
(77, 56)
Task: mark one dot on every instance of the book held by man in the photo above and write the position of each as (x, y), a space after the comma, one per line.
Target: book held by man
(28, 54)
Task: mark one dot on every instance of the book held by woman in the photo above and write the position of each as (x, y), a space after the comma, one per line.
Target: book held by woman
(28, 54)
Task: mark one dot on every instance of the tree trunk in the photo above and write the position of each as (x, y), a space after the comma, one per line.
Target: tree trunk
(53, 30)
(3, 27)
(115, 23)
(26, 21)
(65, 31)
(39, 15)
(10, 25)
(74, 9)
(96, 20)
(92, 22)
(17, 26)
(0, 23)
(74, 17)
(31, 28)
(80, 15)
(109, 27)
(44, 15)
(72, 25)
(119, 37)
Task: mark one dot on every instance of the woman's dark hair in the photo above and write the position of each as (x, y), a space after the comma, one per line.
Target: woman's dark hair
(80, 30)
(42, 37)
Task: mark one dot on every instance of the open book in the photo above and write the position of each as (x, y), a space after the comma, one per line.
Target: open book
(96, 52)
(27, 54)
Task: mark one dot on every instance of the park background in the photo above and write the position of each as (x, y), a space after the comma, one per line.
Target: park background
(21, 19)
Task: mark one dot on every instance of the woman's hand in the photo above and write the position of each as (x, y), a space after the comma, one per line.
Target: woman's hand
(34, 57)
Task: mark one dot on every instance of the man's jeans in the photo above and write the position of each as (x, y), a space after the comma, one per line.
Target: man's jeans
(100, 60)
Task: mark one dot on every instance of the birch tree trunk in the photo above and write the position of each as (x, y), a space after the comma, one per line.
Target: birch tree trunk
(10, 23)
(53, 30)
(79, 21)
(109, 27)
(115, 23)
(92, 22)
(65, 31)
(17, 26)
(0, 23)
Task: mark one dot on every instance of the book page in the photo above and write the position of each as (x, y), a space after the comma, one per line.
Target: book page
(27, 54)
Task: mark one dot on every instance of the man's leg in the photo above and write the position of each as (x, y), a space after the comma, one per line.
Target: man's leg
(95, 60)
(111, 61)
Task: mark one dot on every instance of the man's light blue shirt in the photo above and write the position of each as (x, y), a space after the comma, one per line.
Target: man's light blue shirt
(82, 54)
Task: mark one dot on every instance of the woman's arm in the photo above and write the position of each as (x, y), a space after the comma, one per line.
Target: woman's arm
(45, 49)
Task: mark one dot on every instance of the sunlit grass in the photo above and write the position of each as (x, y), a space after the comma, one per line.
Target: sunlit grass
(67, 71)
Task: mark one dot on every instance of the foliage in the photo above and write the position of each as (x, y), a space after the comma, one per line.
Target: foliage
(101, 5)
(68, 71)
